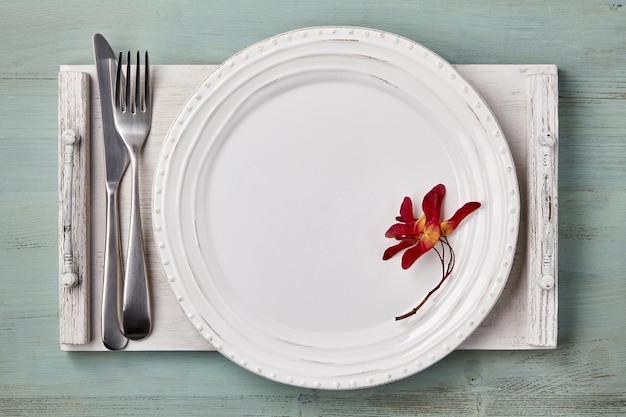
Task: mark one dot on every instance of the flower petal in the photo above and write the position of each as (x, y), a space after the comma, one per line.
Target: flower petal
(450, 226)
(419, 226)
(406, 211)
(413, 254)
(406, 243)
(432, 203)
(398, 230)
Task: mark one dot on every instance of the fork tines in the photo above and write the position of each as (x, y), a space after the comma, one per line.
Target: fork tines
(141, 97)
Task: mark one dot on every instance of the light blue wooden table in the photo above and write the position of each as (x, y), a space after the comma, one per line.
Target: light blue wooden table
(586, 375)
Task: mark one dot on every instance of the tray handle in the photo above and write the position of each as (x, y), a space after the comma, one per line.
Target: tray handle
(73, 227)
(543, 208)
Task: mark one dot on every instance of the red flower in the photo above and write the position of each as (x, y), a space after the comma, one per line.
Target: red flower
(419, 236)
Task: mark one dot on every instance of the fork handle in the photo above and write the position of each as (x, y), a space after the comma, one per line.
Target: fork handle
(112, 336)
(136, 320)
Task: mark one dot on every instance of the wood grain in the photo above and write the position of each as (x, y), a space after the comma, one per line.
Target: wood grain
(543, 129)
(74, 224)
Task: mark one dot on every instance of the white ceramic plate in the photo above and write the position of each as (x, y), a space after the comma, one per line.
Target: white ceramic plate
(275, 186)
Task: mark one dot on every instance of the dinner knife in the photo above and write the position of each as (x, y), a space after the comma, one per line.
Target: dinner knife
(115, 161)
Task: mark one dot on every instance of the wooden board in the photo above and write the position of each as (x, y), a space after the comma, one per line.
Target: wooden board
(74, 272)
(523, 98)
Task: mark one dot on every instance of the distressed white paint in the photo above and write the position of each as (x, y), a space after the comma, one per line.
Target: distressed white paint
(506, 88)
(543, 208)
(74, 280)
(69, 278)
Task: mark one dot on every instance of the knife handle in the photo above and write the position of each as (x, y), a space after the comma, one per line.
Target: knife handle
(136, 319)
(112, 335)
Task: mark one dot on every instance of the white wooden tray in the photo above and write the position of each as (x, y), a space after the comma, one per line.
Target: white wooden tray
(524, 98)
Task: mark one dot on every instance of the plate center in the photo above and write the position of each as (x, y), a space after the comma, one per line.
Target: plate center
(290, 203)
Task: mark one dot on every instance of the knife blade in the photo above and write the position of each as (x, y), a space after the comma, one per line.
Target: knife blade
(116, 161)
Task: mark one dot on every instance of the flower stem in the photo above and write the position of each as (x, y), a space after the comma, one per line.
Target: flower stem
(447, 270)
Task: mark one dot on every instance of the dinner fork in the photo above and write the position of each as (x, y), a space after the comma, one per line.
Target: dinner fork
(133, 116)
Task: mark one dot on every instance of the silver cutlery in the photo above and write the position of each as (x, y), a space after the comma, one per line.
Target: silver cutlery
(132, 114)
(116, 161)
